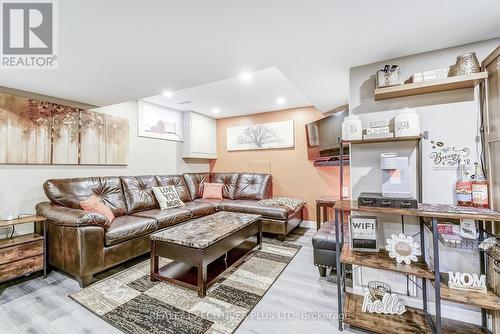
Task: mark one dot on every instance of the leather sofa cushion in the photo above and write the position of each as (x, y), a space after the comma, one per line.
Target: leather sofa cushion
(138, 193)
(178, 182)
(194, 182)
(253, 186)
(324, 238)
(216, 202)
(228, 180)
(166, 218)
(129, 227)
(70, 192)
(199, 209)
(249, 206)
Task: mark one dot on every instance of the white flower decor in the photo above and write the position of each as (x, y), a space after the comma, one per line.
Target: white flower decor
(403, 248)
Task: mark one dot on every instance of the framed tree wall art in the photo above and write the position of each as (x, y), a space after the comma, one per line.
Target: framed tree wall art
(40, 132)
(261, 136)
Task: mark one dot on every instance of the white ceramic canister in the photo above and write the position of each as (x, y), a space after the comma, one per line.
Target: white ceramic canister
(407, 123)
(352, 128)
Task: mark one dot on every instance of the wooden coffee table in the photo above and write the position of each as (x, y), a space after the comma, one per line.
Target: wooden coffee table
(200, 242)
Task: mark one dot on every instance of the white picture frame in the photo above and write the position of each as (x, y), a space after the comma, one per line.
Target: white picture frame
(264, 136)
(363, 233)
(159, 122)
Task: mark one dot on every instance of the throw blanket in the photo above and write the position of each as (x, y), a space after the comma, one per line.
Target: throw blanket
(293, 203)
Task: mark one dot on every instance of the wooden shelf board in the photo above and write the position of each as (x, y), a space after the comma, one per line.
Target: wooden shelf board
(381, 260)
(488, 300)
(458, 327)
(425, 210)
(382, 140)
(21, 239)
(412, 321)
(434, 86)
(23, 220)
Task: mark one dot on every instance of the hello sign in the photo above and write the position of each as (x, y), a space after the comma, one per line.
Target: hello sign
(389, 304)
(466, 281)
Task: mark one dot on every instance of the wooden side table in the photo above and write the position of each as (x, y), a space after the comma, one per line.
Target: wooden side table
(23, 254)
(322, 205)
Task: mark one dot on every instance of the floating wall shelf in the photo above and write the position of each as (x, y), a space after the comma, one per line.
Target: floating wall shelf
(434, 86)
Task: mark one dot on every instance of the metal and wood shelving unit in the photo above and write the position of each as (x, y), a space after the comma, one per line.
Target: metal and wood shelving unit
(413, 320)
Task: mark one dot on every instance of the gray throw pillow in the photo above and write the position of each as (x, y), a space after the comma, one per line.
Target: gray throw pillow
(167, 197)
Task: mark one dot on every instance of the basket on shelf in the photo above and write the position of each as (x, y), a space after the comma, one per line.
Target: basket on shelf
(456, 241)
(378, 289)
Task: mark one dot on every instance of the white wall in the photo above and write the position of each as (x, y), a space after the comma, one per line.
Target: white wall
(21, 185)
(451, 117)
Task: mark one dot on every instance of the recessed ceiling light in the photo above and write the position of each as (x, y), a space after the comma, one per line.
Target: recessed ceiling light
(215, 111)
(280, 100)
(246, 76)
(167, 94)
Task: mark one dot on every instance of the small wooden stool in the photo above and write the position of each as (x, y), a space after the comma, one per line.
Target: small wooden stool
(324, 202)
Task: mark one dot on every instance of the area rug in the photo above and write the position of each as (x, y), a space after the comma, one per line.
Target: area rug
(132, 303)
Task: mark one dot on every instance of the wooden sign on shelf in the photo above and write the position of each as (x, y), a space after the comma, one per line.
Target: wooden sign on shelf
(389, 304)
(466, 281)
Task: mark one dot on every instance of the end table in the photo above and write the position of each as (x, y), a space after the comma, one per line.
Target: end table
(322, 205)
(23, 254)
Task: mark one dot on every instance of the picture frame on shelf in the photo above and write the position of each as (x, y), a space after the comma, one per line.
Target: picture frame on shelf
(363, 233)
(468, 229)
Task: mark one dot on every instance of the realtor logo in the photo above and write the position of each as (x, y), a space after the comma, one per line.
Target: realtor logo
(28, 34)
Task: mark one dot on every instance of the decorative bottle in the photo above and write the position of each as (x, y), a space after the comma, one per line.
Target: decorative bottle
(463, 187)
(480, 189)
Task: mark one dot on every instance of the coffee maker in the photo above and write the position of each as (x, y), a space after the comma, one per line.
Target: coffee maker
(395, 182)
(395, 173)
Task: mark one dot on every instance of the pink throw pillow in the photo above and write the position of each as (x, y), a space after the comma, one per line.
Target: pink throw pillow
(95, 204)
(212, 190)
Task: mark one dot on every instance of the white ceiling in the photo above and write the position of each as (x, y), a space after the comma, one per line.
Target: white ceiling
(236, 96)
(119, 50)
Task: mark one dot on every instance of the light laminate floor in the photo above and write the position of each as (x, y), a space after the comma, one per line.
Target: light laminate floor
(298, 302)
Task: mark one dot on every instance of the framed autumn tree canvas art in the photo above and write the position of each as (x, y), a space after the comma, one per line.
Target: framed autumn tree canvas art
(41, 132)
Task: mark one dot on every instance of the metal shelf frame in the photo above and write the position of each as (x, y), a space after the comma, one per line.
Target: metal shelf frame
(436, 323)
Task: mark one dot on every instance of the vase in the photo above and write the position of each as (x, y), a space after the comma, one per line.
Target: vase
(467, 64)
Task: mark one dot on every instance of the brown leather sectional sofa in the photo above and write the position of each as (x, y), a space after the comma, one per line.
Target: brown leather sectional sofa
(80, 246)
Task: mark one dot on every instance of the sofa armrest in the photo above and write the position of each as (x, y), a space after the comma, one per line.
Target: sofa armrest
(65, 216)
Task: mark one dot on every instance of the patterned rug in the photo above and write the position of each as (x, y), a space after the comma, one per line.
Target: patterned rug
(132, 303)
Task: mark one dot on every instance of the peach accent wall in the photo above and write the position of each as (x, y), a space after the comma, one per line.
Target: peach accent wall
(293, 174)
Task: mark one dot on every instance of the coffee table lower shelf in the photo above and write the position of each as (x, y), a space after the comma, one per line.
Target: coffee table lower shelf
(186, 275)
(412, 321)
